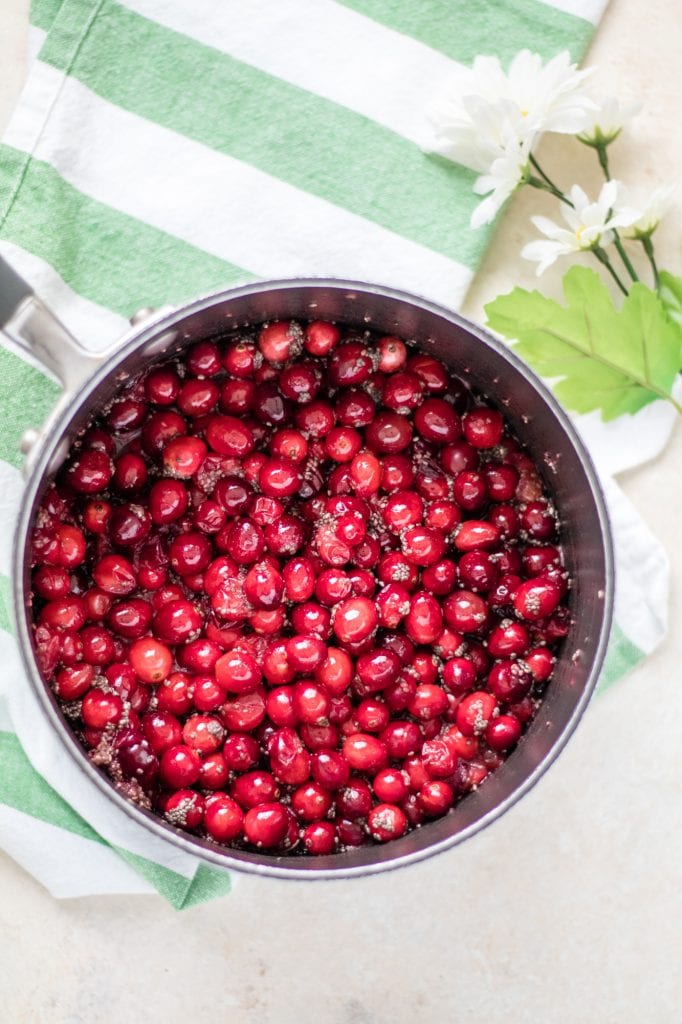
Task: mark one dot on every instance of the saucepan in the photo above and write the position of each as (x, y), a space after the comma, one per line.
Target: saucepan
(89, 382)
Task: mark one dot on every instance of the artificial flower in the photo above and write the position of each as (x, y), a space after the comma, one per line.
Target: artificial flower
(508, 170)
(651, 213)
(590, 225)
(485, 106)
(607, 120)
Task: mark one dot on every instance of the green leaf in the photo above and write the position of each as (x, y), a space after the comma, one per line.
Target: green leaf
(671, 295)
(596, 356)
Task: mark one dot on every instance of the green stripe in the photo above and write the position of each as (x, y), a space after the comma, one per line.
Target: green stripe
(461, 29)
(303, 139)
(44, 12)
(106, 256)
(6, 604)
(621, 657)
(17, 381)
(207, 883)
(22, 788)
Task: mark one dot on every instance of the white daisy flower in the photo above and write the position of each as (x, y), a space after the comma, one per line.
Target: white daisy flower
(651, 213)
(489, 119)
(607, 121)
(589, 225)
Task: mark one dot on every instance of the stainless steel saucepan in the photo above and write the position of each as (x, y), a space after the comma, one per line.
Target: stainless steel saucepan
(90, 381)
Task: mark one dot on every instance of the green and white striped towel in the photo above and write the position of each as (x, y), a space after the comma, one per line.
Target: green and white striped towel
(162, 149)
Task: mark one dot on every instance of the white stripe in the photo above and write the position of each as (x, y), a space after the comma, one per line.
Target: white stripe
(641, 605)
(11, 490)
(35, 103)
(322, 47)
(224, 206)
(95, 326)
(590, 10)
(65, 863)
(36, 38)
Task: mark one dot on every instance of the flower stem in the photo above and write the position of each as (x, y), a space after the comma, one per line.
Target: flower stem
(548, 187)
(603, 258)
(552, 187)
(603, 159)
(604, 164)
(649, 250)
(624, 256)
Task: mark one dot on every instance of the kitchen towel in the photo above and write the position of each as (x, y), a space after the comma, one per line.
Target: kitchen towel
(163, 149)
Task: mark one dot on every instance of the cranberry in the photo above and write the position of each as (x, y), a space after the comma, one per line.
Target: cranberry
(510, 680)
(424, 621)
(465, 611)
(435, 798)
(190, 553)
(229, 436)
(503, 732)
(183, 455)
(180, 766)
(245, 712)
(423, 546)
(100, 709)
(223, 818)
(475, 711)
(319, 838)
(238, 672)
(536, 598)
(403, 392)
(267, 825)
(386, 821)
(321, 337)
(130, 472)
(162, 386)
(483, 427)
(150, 659)
(162, 731)
(90, 472)
(355, 619)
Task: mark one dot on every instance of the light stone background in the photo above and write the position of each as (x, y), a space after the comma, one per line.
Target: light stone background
(566, 911)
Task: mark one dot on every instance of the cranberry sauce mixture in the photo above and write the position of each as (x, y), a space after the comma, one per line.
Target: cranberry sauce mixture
(299, 590)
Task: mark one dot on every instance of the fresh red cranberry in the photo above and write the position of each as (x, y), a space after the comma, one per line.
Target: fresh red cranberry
(223, 818)
(151, 660)
(536, 599)
(319, 838)
(183, 455)
(483, 427)
(130, 472)
(355, 619)
(475, 711)
(503, 732)
(424, 621)
(162, 386)
(238, 672)
(435, 798)
(180, 766)
(100, 709)
(321, 337)
(267, 825)
(90, 471)
(540, 662)
(386, 821)
(244, 713)
(465, 611)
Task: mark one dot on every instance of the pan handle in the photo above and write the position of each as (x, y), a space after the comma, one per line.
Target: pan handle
(36, 330)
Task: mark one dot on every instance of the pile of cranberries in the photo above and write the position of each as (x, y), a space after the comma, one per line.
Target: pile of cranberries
(299, 589)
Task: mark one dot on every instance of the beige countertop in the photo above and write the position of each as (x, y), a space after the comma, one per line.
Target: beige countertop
(567, 911)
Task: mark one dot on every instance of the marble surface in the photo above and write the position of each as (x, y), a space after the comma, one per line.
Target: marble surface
(567, 910)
